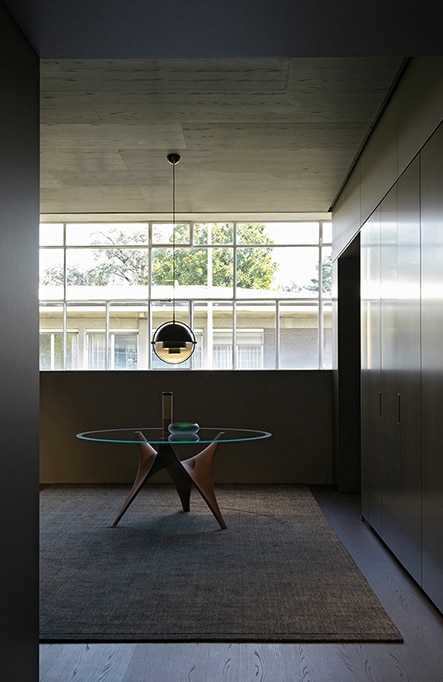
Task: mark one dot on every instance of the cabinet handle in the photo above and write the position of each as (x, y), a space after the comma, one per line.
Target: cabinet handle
(380, 404)
(398, 408)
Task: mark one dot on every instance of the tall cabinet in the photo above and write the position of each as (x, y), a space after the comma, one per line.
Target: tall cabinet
(371, 396)
(406, 476)
(432, 365)
(402, 368)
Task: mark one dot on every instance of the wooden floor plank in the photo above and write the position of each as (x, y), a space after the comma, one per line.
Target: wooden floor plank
(85, 662)
(418, 659)
(215, 662)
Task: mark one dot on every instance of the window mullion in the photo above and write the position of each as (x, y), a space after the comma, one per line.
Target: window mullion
(234, 334)
(234, 301)
(108, 363)
(65, 331)
(149, 321)
(52, 350)
(319, 304)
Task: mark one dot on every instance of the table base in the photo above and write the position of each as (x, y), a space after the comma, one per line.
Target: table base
(196, 470)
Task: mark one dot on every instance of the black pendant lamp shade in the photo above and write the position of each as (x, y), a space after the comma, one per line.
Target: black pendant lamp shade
(173, 342)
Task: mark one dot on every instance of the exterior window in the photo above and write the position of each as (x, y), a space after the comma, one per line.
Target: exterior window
(96, 350)
(249, 349)
(257, 295)
(123, 350)
(52, 350)
(249, 357)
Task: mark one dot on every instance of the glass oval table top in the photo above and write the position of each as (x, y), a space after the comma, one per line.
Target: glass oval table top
(155, 435)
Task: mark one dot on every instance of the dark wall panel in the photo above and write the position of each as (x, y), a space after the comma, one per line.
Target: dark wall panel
(371, 403)
(347, 455)
(432, 363)
(296, 406)
(413, 112)
(389, 362)
(402, 328)
(407, 504)
(19, 208)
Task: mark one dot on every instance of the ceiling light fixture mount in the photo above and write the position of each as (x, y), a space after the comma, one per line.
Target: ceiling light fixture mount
(173, 342)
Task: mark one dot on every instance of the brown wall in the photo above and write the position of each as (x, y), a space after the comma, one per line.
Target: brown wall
(296, 406)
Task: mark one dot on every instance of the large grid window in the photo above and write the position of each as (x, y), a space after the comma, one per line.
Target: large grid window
(257, 295)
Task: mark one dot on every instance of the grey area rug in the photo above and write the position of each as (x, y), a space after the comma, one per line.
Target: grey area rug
(277, 574)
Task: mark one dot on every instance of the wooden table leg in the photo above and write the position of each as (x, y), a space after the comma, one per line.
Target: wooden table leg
(199, 469)
(146, 460)
(196, 470)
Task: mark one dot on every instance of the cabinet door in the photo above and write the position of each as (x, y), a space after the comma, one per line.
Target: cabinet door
(432, 365)
(408, 503)
(389, 310)
(371, 464)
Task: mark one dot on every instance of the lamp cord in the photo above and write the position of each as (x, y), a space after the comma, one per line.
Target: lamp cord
(173, 243)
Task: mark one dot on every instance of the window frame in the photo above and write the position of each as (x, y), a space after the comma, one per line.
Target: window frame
(151, 303)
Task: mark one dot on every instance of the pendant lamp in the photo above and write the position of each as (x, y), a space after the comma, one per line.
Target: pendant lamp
(173, 342)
